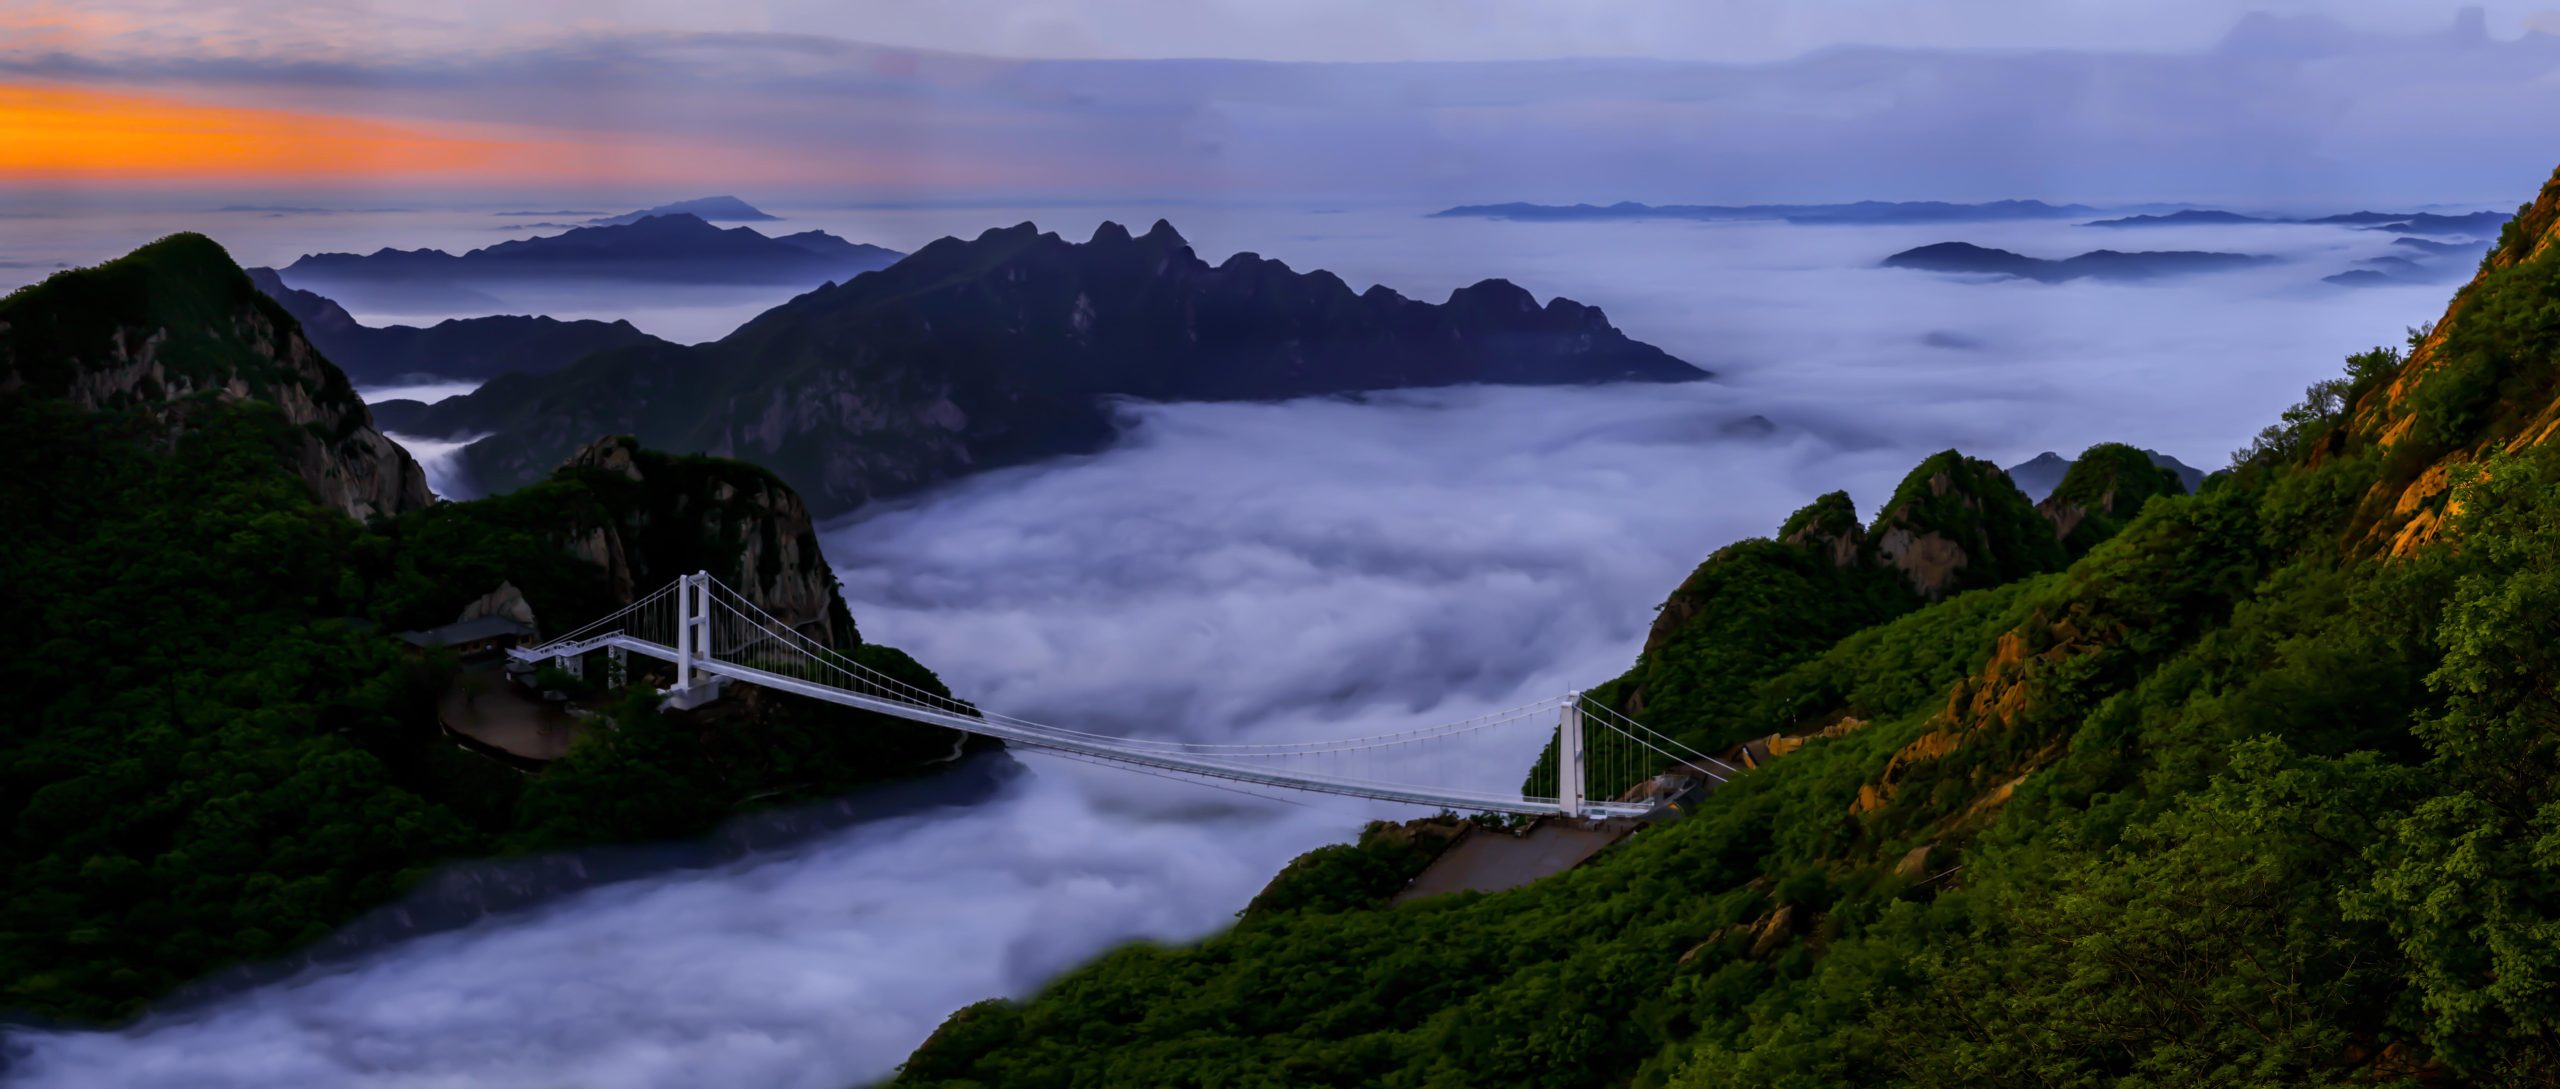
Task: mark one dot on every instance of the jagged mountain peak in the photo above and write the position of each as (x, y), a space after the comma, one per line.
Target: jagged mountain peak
(999, 348)
(176, 323)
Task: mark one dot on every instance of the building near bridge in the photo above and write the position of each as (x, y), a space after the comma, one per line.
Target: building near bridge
(473, 638)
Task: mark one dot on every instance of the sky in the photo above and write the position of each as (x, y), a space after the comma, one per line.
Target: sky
(1425, 101)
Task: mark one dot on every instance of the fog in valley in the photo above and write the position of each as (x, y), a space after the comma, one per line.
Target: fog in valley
(1276, 571)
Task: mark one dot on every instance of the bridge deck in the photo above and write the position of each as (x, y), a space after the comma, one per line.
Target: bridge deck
(1184, 763)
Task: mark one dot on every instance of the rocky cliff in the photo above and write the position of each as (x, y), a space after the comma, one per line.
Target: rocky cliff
(2102, 490)
(175, 324)
(668, 516)
(1004, 348)
(1757, 607)
(1957, 523)
(2477, 382)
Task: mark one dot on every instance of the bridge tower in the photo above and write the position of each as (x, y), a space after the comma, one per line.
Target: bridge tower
(694, 687)
(1569, 756)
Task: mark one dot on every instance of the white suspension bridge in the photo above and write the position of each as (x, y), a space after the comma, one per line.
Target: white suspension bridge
(1601, 763)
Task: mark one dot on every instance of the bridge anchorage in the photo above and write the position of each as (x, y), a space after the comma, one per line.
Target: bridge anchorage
(1597, 764)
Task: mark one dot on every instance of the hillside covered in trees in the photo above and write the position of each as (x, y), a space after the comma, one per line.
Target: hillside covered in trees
(2254, 786)
(214, 749)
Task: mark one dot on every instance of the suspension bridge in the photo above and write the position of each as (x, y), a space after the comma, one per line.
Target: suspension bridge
(1600, 763)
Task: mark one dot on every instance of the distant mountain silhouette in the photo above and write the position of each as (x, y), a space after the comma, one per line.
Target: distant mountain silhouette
(1865, 211)
(1004, 348)
(2414, 261)
(461, 348)
(2039, 475)
(2481, 225)
(2096, 264)
(2189, 217)
(714, 209)
(2469, 223)
(2442, 249)
(672, 248)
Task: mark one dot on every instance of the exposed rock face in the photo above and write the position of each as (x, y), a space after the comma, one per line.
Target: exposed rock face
(1957, 523)
(176, 324)
(506, 601)
(1002, 349)
(2102, 490)
(2478, 383)
(670, 516)
(1773, 930)
(1830, 526)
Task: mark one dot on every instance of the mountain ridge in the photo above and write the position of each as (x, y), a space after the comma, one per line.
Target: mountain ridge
(175, 327)
(1002, 348)
(456, 348)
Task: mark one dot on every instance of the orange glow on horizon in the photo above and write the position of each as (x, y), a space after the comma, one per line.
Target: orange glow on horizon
(55, 134)
(50, 133)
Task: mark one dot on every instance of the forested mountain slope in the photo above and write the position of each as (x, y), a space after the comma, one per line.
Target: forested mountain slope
(2259, 790)
(213, 748)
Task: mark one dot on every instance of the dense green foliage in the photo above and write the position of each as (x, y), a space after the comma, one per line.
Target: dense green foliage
(2219, 804)
(1362, 874)
(1752, 610)
(215, 753)
(193, 767)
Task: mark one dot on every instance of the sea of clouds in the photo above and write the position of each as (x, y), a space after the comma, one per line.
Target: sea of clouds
(1269, 571)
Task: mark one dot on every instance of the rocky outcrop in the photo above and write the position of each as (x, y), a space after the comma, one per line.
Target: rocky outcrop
(1757, 607)
(176, 325)
(506, 601)
(2101, 491)
(1005, 348)
(1828, 525)
(1957, 523)
(2478, 382)
(665, 516)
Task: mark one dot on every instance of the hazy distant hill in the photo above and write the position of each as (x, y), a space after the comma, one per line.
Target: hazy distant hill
(2468, 223)
(2097, 264)
(1001, 349)
(715, 209)
(456, 348)
(1865, 211)
(2039, 475)
(2188, 218)
(676, 248)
